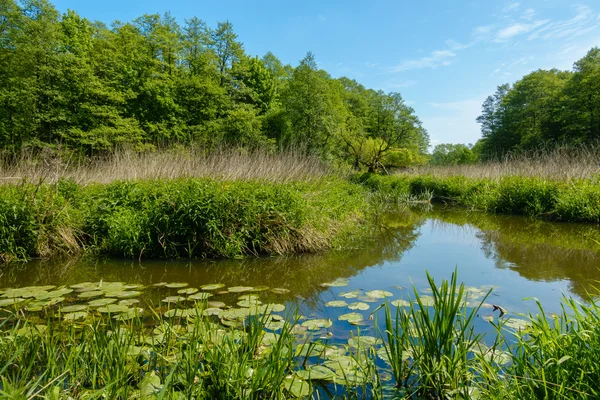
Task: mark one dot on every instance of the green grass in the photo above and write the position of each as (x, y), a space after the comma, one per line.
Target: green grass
(180, 218)
(577, 200)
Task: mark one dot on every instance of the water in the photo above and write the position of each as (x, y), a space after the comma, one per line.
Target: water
(519, 257)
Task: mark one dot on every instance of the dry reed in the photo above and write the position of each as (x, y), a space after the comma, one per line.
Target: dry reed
(225, 164)
(562, 163)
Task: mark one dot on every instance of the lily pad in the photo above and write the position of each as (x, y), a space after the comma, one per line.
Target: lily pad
(216, 304)
(212, 286)
(427, 301)
(212, 311)
(176, 285)
(339, 282)
(239, 289)
(131, 313)
(10, 301)
(271, 308)
(187, 291)
(516, 323)
(173, 299)
(378, 294)
(280, 290)
(364, 341)
(129, 302)
(54, 294)
(73, 308)
(350, 295)
(249, 303)
(359, 306)
(316, 324)
(101, 302)
(75, 315)
(351, 317)
(200, 296)
(400, 303)
(296, 387)
(126, 294)
(113, 309)
(90, 294)
(316, 373)
(336, 303)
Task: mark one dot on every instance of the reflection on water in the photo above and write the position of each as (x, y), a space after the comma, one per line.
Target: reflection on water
(524, 258)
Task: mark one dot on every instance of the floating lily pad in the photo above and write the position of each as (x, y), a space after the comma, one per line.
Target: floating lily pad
(84, 285)
(400, 303)
(260, 288)
(126, 294)
(271, 308)
(187, 291)
(101, 302)
(248, 297)
(113, 309)
(351, 317)
(427, 301)
(316, 373)
(212, 286)
(130, 314)
(316, 324)
(10, 301)
(364, 341)
(75, 315)
(378, 294)
(359, 306)
(54, 294)
(176, 285)
(173, 299)
(350, 295)
(280, 290)
(90, 294)
(239, 289)
(173, 313)
(160, 284)
(73, 308)
(488, 318)
(216, 304)
(236, 313)
(516, 323)
(212, 311)
(336, 304)
(274, 325)
(129, 302)
(249, 303)
(200, 296)
(296, 387)
(336, 283)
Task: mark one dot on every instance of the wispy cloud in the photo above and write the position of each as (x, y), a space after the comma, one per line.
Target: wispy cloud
(511, 7)
(518, 28)
(371, 65)
(437, 58)
(584, 21)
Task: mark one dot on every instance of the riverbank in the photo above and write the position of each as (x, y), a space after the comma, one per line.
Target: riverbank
(575, 200)
(177, 218)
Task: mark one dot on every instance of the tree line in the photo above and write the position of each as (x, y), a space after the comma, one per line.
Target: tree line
(542, 110)
(70, 83)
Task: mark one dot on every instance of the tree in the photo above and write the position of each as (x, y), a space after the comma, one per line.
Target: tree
(452, 154)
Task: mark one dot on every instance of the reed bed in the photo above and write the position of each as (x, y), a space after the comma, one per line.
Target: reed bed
(223, 164)
(563, 163)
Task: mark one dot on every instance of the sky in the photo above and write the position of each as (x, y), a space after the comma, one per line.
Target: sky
(444, 56)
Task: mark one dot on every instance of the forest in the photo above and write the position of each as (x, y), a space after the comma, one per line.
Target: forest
(543, 109)
(77, 86)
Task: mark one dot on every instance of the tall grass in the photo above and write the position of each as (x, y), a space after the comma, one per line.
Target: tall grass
(223, 164)
(562, 163)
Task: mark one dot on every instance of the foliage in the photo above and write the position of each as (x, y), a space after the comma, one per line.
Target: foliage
(180, 218)
(544, 109)
(67, 82)
(452, 154)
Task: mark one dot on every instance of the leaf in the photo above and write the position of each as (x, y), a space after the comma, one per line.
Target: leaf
(176, 285)
(351, 317)
(378, 294)
(150, 385)
(350, 295)
(316, 324)
(316, 373)
(212, 286)
(336, 303)
(359, 306)
(297, 387)
(239, 289)
(336, 283)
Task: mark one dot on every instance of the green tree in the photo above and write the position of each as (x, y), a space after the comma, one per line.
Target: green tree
(452, 154)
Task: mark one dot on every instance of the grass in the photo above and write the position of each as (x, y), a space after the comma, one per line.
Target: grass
(180, 218)
(429, 345)
(224, 165)
(561, 163)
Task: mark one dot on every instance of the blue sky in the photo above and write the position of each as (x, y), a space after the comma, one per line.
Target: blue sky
(444, 56)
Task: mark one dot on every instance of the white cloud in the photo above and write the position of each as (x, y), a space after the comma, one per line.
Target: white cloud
(529, 14)
(437, 58)
(584, 21)
(511, 7)
(518, 28)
